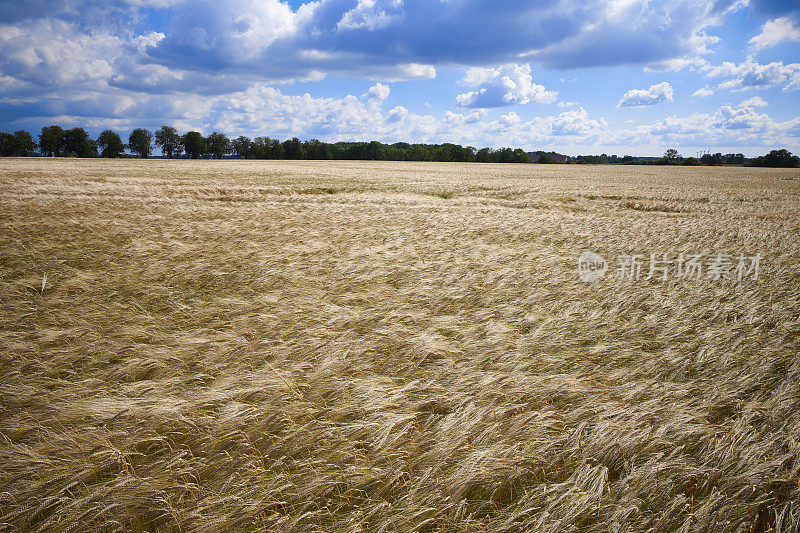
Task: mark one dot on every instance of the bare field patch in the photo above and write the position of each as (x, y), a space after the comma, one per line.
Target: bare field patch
(346, 346)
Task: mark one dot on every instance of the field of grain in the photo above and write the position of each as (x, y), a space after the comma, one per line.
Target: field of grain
(370, 346)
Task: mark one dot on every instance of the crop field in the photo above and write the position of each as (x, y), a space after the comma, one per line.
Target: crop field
(375, 346)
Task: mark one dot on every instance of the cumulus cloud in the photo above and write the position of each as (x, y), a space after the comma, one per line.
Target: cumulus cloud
(502, 86)
(55, 53)
(660, 92)
(379, 91)
(755, 101)
(371, 15)
(702, 92)
(752, 75)
(728, 126)
(693, 63)
(782, 29)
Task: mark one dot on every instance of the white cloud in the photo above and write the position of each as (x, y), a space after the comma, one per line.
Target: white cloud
(728, 126)
(755, 101)
(693, 63)
(505, 85)
(53, 53)
(752, 75)
(379, 91)
(702, 92)
(370, 15)
(661, 92)
(568, 104)
(776, 31)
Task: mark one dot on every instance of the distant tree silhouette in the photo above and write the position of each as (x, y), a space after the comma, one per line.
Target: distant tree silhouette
(314, 149)
(776, 159)
(169, 141)
(194, 144)
(78, 143)
(25, 145)
(51, 141)
(293, 149)
(110, 144)
(217, 145)
(140, 142)
(242, 146)
(18, 144)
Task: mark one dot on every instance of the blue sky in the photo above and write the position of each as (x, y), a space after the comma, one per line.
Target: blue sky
(615, 76)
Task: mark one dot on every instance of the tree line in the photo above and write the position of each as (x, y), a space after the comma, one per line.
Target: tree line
(54, 141)
(775, 158)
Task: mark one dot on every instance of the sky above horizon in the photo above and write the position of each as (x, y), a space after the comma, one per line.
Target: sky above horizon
(578, 77)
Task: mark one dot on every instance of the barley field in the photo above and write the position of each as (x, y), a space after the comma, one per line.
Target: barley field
(374, 346)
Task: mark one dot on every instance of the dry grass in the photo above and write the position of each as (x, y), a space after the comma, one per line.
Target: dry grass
(392, 347)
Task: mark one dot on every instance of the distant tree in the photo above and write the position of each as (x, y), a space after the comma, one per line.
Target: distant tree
(259, 148)
(275, 149)
(671, 155)
(315, 149)
(733, 159)
(18, 144)
(484, 155)
(8, 144)
(776, 159)
(194, 144)
(169, 141)
(24, 143)
(293, 149)
(217, 145)
(545, 158)
(242, 146)
(140, 142)
(51, 141)
(708, 159)
(78, 143)
(110, 144)
(691, 162)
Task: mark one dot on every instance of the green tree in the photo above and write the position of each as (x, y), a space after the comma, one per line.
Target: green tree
(51, 141)
(194, 144)
(776, 159)
(519, 156)
(293, 149)
(169, 141)
(18, 144)
(78, 143)
(24, 145)
(259, 148)
(315, 149)
(275, 149)
(110, 144)
(671, 154)
(8, 144)
(242, 146)
(484, 155)
(140, 142)
(218, 144)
